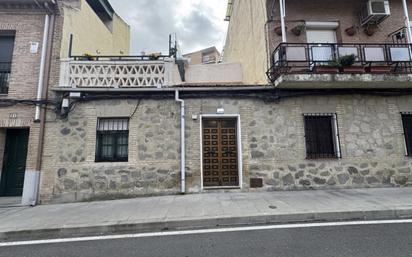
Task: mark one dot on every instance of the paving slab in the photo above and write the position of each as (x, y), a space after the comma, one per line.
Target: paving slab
(197, 211)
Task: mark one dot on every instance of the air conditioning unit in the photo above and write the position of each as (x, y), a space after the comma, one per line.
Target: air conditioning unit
(375, 11)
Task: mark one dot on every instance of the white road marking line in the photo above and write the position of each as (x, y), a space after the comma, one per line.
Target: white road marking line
(204, 231)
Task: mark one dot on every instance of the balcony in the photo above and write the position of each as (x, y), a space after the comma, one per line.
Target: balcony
(5, 68)
(297, 65)
(137, 73)
(111, 72)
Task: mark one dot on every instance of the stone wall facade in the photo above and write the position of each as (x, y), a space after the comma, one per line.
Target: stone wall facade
(272, 140)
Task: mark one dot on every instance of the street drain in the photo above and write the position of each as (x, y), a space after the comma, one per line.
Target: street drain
(272, 207)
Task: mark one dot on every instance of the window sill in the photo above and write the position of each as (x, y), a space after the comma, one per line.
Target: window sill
(323, 158)
(108, 161)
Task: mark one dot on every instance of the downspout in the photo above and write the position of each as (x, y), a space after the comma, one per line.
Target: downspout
(407, 21)
(182, 143)
(42, 65)
(32, 190)
(43, 111)
(282, 8)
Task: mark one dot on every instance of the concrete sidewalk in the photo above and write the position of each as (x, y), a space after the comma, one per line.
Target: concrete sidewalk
(206, 210)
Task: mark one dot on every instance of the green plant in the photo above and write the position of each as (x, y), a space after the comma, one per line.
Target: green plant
(347, 60)
(299, 29)
(334, 63)
(88, 57)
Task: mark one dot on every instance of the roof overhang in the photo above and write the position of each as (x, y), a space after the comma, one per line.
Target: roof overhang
(48, 5)
(102, 7)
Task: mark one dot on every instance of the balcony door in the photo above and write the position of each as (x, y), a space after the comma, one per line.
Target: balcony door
(321, 52)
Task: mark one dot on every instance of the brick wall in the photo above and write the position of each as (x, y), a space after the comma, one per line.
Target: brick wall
(28, 23)
(346, 13)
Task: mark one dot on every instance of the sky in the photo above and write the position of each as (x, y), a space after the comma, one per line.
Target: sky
(197, 24)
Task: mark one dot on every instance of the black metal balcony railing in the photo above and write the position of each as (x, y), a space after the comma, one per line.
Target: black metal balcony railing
(298, 58)
(5, 68)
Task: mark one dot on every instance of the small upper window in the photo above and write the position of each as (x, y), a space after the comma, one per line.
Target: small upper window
(321, 135)
(6, 54)
(112, 140)
(407, 131)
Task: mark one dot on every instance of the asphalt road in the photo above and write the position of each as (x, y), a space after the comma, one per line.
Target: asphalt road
(358, 240)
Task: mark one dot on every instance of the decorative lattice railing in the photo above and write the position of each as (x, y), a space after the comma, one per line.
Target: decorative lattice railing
(115, 74)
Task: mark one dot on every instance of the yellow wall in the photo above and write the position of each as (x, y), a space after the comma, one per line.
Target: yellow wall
(246, 40)
(90, 34)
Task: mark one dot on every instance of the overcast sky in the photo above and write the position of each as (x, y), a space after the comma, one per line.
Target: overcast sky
(197, 23)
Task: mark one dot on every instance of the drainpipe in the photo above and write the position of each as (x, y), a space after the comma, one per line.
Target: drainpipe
(32, 178)
(282, 8)
(42, 65)
(407, 21)
(182, 143)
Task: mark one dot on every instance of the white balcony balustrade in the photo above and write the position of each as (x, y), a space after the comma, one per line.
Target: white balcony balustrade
(118, 74)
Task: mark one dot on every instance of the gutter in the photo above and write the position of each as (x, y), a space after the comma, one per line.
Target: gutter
(169, 89)
(182, 143)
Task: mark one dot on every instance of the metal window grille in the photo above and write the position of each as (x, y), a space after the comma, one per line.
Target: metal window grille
(321, 136)
(5, 68)
(407, 132)
(112, 140)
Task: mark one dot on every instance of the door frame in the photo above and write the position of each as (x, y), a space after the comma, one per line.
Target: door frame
(239, 149)
(3, 175)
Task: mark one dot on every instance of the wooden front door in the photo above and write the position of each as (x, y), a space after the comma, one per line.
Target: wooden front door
(220, 152)
(14, 162)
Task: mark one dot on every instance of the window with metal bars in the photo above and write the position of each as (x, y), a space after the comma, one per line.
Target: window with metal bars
(112, 140)
(321, 136)
(407, 131)
(6, 55)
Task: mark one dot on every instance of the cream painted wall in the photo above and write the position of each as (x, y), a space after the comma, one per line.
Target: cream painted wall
(246, 40)
(90, 34)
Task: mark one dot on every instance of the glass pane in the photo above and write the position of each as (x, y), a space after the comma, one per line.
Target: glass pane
(322, 53)
(120, 124)
(122, 145)
(400, 54)
(296, 53)
(210, 123)
(107, 145)
(374, 54)
(348, 51)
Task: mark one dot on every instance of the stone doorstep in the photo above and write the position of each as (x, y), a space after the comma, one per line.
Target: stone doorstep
(208, 223)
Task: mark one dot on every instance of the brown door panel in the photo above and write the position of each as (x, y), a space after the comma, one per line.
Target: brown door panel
(220, 157)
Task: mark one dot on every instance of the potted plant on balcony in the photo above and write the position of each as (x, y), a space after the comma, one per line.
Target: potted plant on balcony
(351, 31)
(154, 56)
(331, 66)
(297, 30)
(379, 68)
(87, 57)
(370, 29)
(278, 30)
(346, 63)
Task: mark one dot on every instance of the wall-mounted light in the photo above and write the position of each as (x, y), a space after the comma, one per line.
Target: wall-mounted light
(220, 111)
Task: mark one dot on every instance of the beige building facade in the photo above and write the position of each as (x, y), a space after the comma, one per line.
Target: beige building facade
(205, 56)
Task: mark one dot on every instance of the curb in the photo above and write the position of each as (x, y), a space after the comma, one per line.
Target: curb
(135, 228)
